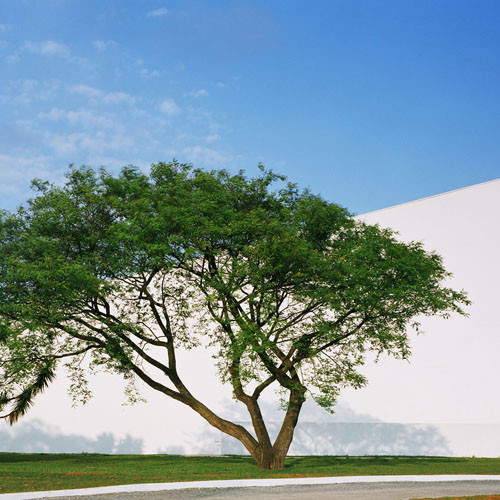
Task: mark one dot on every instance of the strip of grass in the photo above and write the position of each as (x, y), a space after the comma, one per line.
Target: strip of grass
(38, 472)
(480, 497)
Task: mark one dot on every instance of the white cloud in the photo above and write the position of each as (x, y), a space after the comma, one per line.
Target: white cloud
(169, 107)
(69, 145)
(105, 97)
(118, 97)
(12, 58)
(63, 144)
(47, 48)
(103, 45)
(212, 137)
(158, 12)
(28, 85)
(220, 85)
(208, 157)
(108, 162)
(17, 172)
(85, 90)
(82, 117)
(3, 28)
(198, 93)
(28, 91)
(146, 73)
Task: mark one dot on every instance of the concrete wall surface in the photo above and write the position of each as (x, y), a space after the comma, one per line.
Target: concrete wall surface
(444, 401)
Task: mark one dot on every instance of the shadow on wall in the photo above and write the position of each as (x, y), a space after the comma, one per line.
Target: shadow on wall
(349, 433)
(318, 433)
(363, 438)
(206, 442)
(35, 437)
(358, 438)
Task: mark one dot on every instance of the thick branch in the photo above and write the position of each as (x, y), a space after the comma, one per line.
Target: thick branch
(285, 436)
(251, 404)
(262, 386)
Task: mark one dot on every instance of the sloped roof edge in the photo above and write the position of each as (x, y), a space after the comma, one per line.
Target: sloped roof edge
(429, 197)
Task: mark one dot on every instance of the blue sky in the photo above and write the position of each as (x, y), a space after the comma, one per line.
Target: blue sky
(369, 103)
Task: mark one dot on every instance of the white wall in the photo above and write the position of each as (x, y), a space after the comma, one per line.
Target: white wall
(452, 375)
(445, 401)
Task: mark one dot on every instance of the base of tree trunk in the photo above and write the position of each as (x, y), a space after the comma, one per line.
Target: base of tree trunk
(270, 461)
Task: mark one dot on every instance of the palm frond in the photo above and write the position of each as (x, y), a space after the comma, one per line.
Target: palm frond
(4, 399)
(24, 400)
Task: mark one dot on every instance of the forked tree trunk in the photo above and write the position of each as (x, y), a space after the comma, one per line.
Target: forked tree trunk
(266, 455)
(274, 457)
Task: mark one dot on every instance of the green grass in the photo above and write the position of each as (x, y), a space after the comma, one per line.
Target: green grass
(478, 497)
(38, 472)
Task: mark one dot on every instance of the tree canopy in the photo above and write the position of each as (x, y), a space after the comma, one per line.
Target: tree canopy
(125, 270)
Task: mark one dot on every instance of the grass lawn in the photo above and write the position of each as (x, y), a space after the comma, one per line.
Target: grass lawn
(37, 472)
(479, 497)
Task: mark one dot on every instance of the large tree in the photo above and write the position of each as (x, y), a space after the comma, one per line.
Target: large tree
(125, 270)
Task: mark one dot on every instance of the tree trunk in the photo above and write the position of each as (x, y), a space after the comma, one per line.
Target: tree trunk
(266, 455)
(274, 457)
(269, 458)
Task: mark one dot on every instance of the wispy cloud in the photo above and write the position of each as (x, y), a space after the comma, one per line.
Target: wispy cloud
(212, 138)
(85, 118)
(16, 172)
(118, 97)
(3, 28)
(147, 74)
(67, 145)
(105, 97)
(198, 93)
(207, 157)
(102, 45)
(47, 48)
(12, 58)
(169, 107)
(158, 12)
(85, 90)
(27, 91)
(110, 162)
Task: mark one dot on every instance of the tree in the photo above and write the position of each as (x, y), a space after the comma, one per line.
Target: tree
(126, 270)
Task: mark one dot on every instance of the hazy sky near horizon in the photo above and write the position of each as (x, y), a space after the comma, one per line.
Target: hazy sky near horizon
(370, 103)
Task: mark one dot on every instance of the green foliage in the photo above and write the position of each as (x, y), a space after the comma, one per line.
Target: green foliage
(118, 272)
